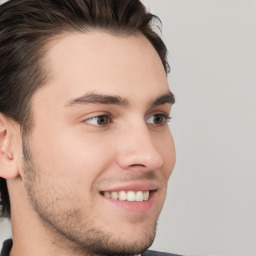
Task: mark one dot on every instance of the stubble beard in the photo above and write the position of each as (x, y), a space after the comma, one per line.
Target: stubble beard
(68, 229)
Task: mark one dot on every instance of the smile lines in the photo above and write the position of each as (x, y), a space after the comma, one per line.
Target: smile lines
(130, 196)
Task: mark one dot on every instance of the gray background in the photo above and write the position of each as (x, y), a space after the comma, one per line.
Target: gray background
(210, 208)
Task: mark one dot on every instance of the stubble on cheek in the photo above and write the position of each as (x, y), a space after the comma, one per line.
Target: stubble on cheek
(59, 213)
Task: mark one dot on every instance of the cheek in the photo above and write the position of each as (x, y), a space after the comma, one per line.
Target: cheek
(71, 158)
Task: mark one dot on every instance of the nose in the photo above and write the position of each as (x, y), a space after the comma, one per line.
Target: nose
(137, 150)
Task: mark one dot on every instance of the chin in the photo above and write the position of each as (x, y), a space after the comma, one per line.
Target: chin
(117, 244)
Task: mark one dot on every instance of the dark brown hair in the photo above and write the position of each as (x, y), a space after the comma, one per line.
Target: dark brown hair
(26, 26)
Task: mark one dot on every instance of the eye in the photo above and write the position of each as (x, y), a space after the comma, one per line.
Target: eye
(101, 120)
(158, 119)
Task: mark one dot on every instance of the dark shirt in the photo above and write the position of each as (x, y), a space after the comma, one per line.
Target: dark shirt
(154, 253)
(8, 246)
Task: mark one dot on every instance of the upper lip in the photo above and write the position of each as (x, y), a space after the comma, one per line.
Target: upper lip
(143, 186)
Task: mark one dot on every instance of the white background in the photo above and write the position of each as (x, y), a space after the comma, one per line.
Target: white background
(211, 204)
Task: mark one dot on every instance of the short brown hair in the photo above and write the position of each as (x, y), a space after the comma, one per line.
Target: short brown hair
(25, 28)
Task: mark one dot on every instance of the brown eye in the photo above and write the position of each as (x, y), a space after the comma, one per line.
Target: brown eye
(158, 119)
(98, 120)
(102, 120)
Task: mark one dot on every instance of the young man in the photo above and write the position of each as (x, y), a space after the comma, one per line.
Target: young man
(85, 148)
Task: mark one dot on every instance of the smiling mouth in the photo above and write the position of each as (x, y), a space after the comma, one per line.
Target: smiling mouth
(131, 196)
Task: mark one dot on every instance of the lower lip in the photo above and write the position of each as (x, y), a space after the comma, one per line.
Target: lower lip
(134, 207)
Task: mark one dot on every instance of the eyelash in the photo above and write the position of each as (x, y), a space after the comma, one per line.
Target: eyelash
(166, 118)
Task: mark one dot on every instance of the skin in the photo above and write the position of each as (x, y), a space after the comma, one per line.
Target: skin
(57, 208)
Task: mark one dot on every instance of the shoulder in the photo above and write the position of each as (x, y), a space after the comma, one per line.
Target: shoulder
(155, 253)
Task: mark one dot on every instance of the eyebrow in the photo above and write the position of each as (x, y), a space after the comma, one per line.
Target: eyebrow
(163, 99)
(93, 98)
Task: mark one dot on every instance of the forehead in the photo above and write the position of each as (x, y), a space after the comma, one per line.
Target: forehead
(104, 63)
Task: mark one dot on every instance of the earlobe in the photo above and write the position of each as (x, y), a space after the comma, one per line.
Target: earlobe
(8, 166)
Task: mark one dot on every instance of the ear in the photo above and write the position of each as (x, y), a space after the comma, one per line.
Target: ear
(8, 163)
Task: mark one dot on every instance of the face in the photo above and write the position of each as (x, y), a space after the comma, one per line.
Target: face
(101, 149)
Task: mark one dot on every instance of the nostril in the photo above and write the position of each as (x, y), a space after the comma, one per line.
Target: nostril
(137, 165)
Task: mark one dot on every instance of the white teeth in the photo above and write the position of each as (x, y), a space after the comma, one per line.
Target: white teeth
(107, 194)
(145, 195)
(122, 196)
(139, 196)
(114, 195)
(130, 196)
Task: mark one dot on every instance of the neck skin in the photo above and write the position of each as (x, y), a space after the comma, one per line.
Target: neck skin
(30, 236)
